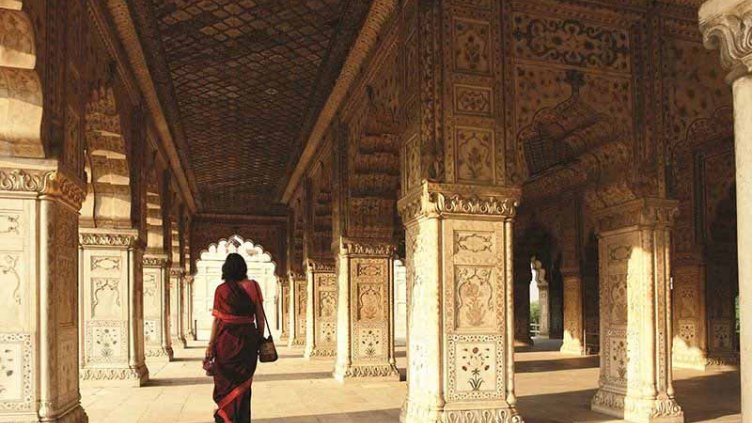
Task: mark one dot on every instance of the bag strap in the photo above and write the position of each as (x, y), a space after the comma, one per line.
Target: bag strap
(261, 303)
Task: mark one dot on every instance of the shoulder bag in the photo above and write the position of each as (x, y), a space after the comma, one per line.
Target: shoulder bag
(267, 351)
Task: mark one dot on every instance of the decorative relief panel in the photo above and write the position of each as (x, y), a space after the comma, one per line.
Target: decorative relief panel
(370, 301)
(475, 307)
(105, 263)
(474, 367)
(11, 289)
(475, 152)
(370, 342)
(571, 42)
(472, 100)
(106, 341)
(151, 332)
(105, 298)
(16, 373)
(472, 46)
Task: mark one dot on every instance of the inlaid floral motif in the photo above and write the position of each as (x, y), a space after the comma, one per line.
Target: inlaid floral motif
(474, 155)
(476, 362)
(475, 308)
(471, 44)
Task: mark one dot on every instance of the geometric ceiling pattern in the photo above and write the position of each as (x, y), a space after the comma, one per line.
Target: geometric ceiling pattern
(248, 78)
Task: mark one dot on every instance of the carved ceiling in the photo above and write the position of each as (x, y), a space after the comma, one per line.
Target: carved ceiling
(242, 82)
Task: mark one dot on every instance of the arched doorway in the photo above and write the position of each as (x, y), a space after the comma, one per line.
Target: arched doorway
(209, 276)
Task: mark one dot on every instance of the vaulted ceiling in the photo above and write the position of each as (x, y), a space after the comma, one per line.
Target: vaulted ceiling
(241, 82)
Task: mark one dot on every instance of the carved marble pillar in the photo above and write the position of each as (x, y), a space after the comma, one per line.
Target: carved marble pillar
(156, 297)
(284, 309)
(112, 315)
(727, 25)
(635, 300)
(321, 308)
(185, 319)
(461, 318)
(39, 207)
(176, 308)
(690, 344)
(191, 332)
(365, 311)
(573, 316)
(545, 312)
(298, 303)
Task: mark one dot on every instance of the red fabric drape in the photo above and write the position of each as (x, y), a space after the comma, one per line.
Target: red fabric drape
(235, 348)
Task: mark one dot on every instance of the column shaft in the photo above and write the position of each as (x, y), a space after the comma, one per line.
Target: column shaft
(573, 316)
(321, 309)
(298, 287)
(156, 316)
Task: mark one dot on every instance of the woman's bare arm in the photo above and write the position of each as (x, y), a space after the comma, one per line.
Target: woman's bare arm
(212, 338)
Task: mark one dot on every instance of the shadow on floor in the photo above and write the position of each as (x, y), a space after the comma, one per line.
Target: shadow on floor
(534, 366)
(378, 416)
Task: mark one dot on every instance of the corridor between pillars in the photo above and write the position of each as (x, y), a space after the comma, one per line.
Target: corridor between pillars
(158, 346)
(635, 300)
(112, 333)
(461, 319)
(365, 311)
(298, 289)
(320, 309)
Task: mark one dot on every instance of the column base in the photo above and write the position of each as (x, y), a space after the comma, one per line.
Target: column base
(121, 377)
(320, 353)
(296, 342)
(572, 347)
(159, 354)
(75, 414)
(665, 410)
(380, 372)
(179, 342)
(414, 412)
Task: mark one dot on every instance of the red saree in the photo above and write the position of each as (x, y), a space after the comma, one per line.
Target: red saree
(235, 349)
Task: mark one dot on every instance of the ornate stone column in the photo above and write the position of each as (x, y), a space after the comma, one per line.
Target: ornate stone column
(573, 317)
(156, 298)
(727, 25)
(185, 322)
(461, 319)
(321, 308)
(284, 309)
(189, 307)
(690, 344)
(111, 286)
(298, 289)
(176, 308)
(39, 207)
(635, 311)
(365, 311)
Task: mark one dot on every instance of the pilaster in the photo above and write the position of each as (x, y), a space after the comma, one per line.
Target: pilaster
(39, 207)
(321, 308)
(690, 343)
(635, 311)
(574, 321)
(177, 335)
(461, 319)
(284, 308)
(365, 311)
(298, 289)
(156, 316)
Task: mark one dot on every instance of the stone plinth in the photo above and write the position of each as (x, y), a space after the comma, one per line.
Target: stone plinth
(461, 318)
(635, 311)
(111, 286)
(158, 346)
(321, 309)
(38, 292)
(365, 311)
(298, 303)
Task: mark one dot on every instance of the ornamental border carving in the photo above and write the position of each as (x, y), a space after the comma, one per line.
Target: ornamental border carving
(99, 239)
(315, 265)
(432, 199)
(154, 261)
(360, 247)
(654, 212)
(52, 183)
(27, 390)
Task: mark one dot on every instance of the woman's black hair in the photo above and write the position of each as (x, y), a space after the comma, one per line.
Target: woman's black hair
(234, 268)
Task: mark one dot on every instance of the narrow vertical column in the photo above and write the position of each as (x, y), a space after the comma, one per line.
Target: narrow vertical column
(185, 322)
(461, 318)
(191, 328)
(156, 321)
(298, 287)
(38, 278)
(635, 301)
(321, 309)
(690, 346)
(284, 309)
(111, 286)
(176, 306)
(365, 311)
(573, 317)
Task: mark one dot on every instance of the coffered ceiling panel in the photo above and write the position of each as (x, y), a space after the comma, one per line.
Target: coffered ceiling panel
(246, 79)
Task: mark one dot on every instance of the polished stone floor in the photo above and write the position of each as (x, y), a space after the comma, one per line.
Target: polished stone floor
(551, 388)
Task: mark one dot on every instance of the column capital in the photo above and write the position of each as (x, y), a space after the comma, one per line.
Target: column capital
(108, 237)
(319, 264)
(652, 212)
(366, 247)
(432, 199)
(296, 276)
(43, 178)
(727, 25)
(155, 260)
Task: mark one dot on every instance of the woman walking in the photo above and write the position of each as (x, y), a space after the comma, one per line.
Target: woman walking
(238, 325)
